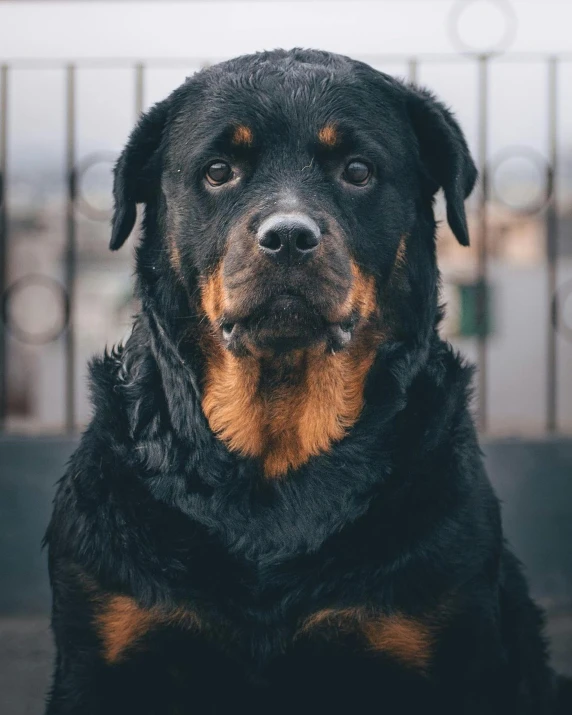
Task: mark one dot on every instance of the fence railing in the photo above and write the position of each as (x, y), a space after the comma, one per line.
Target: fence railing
(74, 166)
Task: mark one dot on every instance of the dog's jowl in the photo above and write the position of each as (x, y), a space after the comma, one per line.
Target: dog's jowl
(280, 504)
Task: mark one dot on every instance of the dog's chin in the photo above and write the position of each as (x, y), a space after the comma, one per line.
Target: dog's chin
(287, 324)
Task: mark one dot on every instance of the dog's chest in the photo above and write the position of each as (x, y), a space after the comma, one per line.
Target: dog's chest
(342, 656)
(260, 644)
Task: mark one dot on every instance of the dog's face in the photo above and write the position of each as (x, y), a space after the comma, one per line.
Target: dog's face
(287, 186)
(278, 189)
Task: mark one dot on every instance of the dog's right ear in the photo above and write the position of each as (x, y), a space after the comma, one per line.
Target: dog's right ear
(136, 172)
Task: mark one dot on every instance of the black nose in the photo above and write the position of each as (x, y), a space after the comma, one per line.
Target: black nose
(289, 238)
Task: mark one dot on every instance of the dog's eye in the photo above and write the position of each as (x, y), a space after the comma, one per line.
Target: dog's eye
(217, 173)
(358, 173)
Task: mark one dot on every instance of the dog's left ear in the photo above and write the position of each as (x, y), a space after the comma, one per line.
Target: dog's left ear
(136, 172)
(445, 156)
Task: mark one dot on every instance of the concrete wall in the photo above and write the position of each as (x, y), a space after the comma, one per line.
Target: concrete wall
(29, 469)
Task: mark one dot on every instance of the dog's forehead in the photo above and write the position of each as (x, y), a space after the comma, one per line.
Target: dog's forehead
(307, 97)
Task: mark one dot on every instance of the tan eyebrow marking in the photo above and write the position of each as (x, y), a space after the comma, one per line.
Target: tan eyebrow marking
(242, 135)
(328, 135)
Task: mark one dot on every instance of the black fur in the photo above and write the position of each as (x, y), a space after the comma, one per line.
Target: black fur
(399, 516)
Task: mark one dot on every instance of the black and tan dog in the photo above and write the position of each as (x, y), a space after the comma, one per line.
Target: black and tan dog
(280, 505)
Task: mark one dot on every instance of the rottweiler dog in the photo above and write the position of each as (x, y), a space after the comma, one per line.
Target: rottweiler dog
(280, 503)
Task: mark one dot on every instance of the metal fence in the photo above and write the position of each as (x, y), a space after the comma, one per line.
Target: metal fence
(74, 167)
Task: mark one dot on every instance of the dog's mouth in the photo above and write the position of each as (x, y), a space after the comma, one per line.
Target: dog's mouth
(286, 322)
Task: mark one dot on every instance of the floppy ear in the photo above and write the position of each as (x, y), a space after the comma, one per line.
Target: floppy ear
(136, 172)
(445, 156)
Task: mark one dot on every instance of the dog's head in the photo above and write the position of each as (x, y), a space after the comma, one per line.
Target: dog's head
(289, 187)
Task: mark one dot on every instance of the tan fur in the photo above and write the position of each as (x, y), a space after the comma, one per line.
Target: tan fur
(328, 135)
(242, 135)
(174, 252)
(408, 640)
(121, 624)
(339, 617)
(400, 256)
(213, 296)
(304, 414)
(175, 256)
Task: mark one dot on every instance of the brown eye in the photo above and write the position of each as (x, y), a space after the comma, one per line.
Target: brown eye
(217, 173)
(358, 173)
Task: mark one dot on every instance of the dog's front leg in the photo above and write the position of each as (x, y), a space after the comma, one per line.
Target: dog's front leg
(118, 657)
(74, 690)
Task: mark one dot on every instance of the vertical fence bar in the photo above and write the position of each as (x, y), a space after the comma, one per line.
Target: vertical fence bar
(552, 245)
(412, 69)
(481, 302)
(3, 237)
(139, 89)
(70, 248)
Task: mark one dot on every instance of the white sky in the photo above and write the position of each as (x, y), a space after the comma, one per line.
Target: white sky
(213, 29)
(167, 29)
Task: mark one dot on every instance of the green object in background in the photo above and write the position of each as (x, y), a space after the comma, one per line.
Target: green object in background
(475, 309)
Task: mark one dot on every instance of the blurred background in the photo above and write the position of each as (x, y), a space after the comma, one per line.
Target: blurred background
(74, 76)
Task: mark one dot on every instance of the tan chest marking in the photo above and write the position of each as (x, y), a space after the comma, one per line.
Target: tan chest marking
(122, 624)
(301, 417)
(407, 640)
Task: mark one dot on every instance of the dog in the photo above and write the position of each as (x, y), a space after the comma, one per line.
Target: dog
(280, 503)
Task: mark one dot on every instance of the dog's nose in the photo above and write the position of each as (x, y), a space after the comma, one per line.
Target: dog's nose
(289, 238)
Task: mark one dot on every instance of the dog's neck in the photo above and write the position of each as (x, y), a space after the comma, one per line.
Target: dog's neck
(285, 409)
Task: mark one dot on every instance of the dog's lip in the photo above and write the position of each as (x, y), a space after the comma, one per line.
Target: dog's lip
(340, 331)
(229, 321)
(343, 332)
(228, 330)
